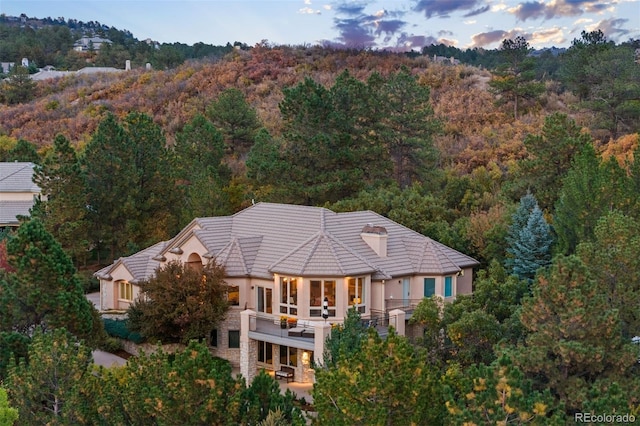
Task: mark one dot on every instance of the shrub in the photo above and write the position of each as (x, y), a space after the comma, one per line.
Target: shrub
(118, 328)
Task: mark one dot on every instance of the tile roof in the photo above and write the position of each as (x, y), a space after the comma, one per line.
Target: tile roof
(270, 238)
(10, 210)
(17, 177)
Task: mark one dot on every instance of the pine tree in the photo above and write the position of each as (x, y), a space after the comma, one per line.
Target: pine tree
(385, 382)
(612, 259)
(574, 343)
(44, 291)
(64, 212)
(18, 87)
(47, 387)
(236, 119)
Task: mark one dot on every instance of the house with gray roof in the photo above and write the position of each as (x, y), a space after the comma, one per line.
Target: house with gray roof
(308, 264)
(17, 192)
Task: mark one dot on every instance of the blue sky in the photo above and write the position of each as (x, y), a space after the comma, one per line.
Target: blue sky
(399, 25)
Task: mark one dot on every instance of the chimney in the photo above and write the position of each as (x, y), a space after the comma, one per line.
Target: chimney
(127, 65)
(376, 237)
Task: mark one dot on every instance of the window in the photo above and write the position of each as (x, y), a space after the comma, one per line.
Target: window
(213, 338)
(288, 356)
(234, 296)
(265, 352)
(356, 293)
(429, 287)
(234, 339)
(125, 290)
(289, 296)
(265, 298)
(448, 286)
(318, 290)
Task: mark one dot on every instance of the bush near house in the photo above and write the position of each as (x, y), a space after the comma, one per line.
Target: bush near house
(118, 328)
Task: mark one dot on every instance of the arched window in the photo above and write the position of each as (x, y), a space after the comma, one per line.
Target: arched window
(194, 261)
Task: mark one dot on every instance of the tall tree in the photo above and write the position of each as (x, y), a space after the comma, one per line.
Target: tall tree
(179, 316)
(531, 250)
(386, 382)
(24, 151)
(329, 144)
(44, 291)
(614, 90)
(345, 339)
(574, 62)
(574, 343)
(47, 388)
(156, 198)
(199, 152)
(64, 210)
(236, 119)
(188, 387)
(109, 164)
(590, 190)
(514, 79)
(549, 156)
(18, 87)
(613, 262)
(407, 126)
(499, 394)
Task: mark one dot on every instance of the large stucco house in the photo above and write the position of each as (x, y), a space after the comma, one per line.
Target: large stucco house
(300, 262)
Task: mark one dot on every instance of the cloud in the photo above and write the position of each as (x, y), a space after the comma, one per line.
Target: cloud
(309, 11)
(444, 7)
(496, 36)
(559, 8)
(477, 12)
(353, 33)
(553, 35)
(350, 9)
(406, 42)
(612, 28)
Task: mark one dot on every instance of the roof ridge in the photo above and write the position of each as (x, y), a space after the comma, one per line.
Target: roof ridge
(26, 164)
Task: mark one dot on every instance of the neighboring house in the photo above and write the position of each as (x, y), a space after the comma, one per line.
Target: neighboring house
(17, 192)
(44, 74)
(291, 260)
(87, 43)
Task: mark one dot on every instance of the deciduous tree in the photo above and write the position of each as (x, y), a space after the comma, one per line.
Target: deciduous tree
(180, 303)
(8, 414)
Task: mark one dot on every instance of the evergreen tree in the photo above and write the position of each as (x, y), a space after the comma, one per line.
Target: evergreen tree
(199, 151)
(188, 387)
(64, 213)
(532, 250)
(8, 414)
(236, 119)
(109, 164)
(44, 291)
(498, 394)
(18, 87)
(345, 339)
(514, 80)
(330, 141)
(407, 126)
(612, 258)
(47, 387)
(263, 396)
(590, 190)
(550, 156)
(385, 382)
(24, 151)
(574, 343)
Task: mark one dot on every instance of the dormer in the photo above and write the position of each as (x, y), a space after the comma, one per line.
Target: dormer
(376, 238)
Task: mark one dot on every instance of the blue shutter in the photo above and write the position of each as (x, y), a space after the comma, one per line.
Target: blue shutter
(448, 287)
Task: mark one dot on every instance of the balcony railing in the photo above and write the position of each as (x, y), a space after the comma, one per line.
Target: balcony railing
(407, 305)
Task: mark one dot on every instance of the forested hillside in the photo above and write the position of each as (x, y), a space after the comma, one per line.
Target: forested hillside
(535, 174)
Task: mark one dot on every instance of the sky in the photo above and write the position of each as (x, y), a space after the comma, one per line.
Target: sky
(400, 25)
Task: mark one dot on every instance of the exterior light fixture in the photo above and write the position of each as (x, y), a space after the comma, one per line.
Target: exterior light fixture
(325, 309)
